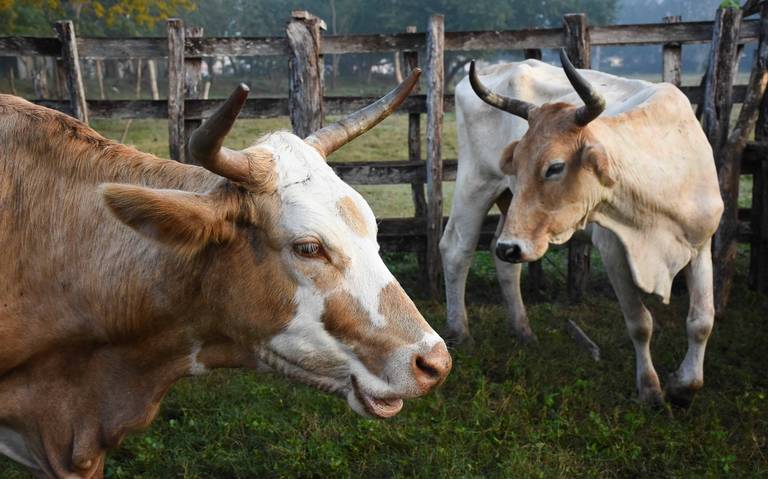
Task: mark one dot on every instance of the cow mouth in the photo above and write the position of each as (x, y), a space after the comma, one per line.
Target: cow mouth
(379, 407)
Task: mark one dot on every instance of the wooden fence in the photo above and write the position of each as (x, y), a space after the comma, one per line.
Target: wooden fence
(305, 45)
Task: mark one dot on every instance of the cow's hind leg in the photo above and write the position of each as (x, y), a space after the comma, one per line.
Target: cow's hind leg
(636, 316)
(509, 280)
(471, 202)
(689, 378)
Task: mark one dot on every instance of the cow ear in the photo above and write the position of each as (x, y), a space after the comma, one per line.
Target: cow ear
(186, 221)
(596, 157)
(506, 158)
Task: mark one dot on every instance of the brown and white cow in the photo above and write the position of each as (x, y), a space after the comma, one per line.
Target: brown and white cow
(123, 272)
(640, 172)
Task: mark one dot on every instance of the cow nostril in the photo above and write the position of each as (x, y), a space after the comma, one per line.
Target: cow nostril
(430, 369)
(426, 368)
(513, 252)
(510, 252)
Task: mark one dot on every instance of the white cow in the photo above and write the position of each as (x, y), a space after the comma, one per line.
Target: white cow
(617, 173)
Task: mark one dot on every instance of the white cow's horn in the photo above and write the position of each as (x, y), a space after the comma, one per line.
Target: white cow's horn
(205, 144)
(516, 107)
(330, 138)
(594, 103)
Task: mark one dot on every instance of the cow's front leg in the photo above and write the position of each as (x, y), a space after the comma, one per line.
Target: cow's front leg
(509, 280)
(471, 202)
(636, 316)
(689, 378)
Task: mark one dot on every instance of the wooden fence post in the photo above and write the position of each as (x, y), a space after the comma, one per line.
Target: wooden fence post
(758, 251)
(724, 245)
(435, 77)
(66, 32)
(577, 45)
(535, 277)
(718, 84)
(305, 70)
(152, 67)
(193, 75)
(670, 57)
(176, 89)
(411, 61)
(715, 119)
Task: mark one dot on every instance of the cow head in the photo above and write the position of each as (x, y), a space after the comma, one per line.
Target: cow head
(559, 170)
(290, 265)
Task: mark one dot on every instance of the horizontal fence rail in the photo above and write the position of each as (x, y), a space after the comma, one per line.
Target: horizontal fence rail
(157, 47)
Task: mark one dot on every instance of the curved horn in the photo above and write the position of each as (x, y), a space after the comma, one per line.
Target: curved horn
(205, 143)
(594, 103)
(330, 138)
(516, 107)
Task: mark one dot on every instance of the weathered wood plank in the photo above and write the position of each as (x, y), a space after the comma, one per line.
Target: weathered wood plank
(716, 110)
(671, 56)
(390, 172)
(29, 46)
(237, 46)
(154, 47)
(577, 38)
(408, 234)
(725, 241)
(176, 89)
(684, 33)
(305, 93)
(435, 87)
(69, 54)
(193, 76)
(122, 48)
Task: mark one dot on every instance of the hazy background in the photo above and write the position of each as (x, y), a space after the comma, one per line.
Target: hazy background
(345, 74)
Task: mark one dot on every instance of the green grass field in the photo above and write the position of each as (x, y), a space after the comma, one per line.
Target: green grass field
(505, 411)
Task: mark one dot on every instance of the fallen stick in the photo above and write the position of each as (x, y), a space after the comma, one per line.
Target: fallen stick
(582, 339)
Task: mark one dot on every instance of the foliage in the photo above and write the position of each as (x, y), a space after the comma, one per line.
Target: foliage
(730, 4)
(91, 17)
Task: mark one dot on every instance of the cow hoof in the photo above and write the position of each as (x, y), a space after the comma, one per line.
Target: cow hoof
(653, 398)
(527, 338)
(680, 394)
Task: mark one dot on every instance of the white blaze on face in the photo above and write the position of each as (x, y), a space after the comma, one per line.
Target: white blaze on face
(315, 203)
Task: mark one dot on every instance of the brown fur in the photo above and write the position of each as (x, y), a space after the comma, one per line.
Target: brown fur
(352, 216)
(552, 207)
(96, 321)
(346, 319)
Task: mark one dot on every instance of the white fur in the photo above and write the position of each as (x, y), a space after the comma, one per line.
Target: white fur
(196, 368)
(310, 192)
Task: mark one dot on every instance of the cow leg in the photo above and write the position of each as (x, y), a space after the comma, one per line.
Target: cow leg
(636, 316)
(689, 378)
(472, 200)
(509, 280)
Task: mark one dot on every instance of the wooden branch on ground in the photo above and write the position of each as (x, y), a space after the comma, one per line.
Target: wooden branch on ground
(582, 339)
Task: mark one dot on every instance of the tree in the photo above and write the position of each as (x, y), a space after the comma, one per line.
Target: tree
(91, 17)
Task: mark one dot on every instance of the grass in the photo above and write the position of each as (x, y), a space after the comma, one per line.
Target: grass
(505, 411)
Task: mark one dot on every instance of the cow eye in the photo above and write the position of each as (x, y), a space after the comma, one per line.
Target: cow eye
(554, 169)
(308, 249)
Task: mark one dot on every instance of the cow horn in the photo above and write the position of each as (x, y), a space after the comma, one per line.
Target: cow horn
(516, 107)
(205, 144)
(330, 138)
(594, 103)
